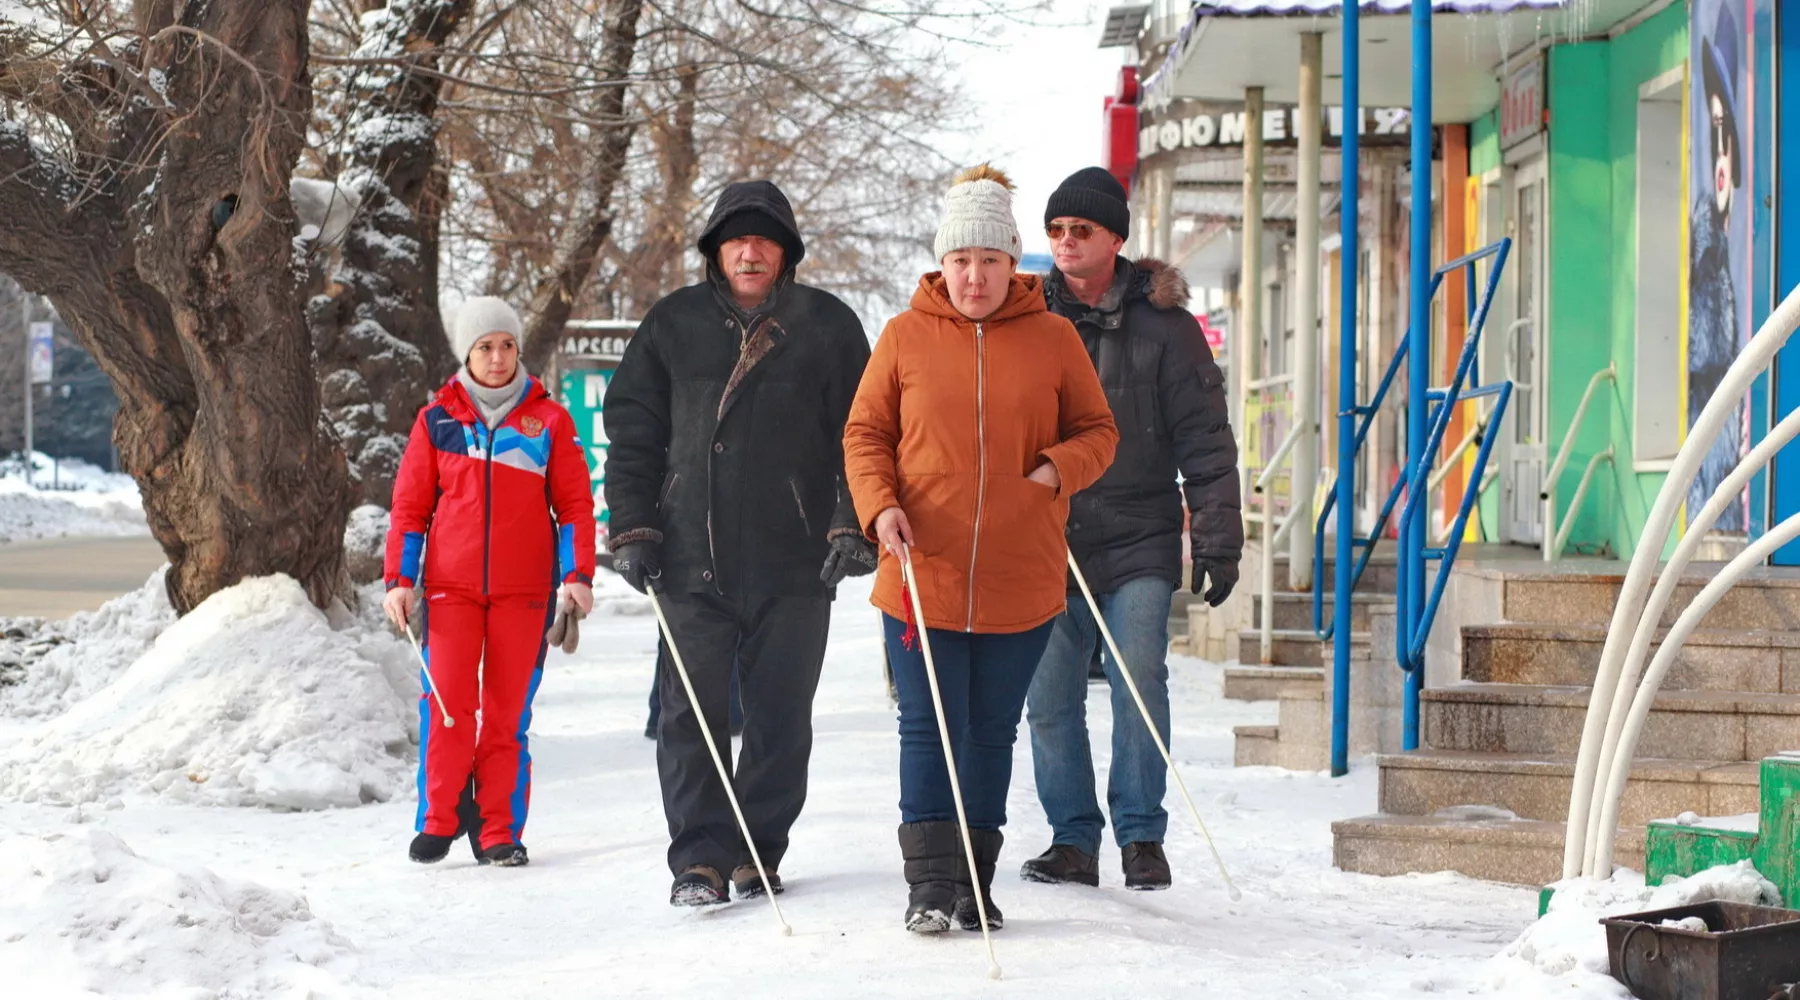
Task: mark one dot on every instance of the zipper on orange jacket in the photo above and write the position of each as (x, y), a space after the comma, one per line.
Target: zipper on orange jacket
(980, 465)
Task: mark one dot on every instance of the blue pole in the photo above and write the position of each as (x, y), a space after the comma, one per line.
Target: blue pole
(1412, 554)
(1346, 435)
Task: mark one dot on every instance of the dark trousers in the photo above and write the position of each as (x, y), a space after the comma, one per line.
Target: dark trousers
(778, 646)
(662, 664)
(983, 679)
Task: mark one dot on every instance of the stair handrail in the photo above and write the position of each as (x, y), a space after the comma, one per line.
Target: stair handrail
(1554, 537)
(1416, 609)
(1271, 536)
(1623, 692)
(1367, 413)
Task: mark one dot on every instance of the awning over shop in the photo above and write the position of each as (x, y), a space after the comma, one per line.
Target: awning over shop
(1230, 45)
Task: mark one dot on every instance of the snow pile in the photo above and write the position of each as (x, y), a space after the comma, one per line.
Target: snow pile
(1564, 953)
(28, 513)
(323, 209)
(82, 915)
(253, 699)
(73, 474)
(365, 542)
(52, 665)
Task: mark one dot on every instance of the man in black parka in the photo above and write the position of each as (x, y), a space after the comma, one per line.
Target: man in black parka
(724, 475)
(1168, 399)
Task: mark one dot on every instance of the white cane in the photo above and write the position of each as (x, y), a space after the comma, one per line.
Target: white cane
(713, 748)
(1143, 709)
(937, 703)
(449, 723)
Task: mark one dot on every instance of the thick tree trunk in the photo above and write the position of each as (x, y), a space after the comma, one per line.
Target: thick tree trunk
(376, 328)
(588, 231)
(179, 276)
(260, 482)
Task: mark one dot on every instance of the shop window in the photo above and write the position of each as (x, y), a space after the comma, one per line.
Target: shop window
(1658, 367)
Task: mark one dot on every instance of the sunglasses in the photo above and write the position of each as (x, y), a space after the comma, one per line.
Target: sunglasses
(1080, 230)
(1721, 134)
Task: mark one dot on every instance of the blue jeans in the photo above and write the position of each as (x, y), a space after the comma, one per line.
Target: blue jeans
(1138, 615)
(983, 678)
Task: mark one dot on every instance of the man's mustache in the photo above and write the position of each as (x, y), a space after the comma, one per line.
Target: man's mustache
(752, 267)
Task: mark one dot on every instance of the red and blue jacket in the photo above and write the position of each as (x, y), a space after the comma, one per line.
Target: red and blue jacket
(503, 512)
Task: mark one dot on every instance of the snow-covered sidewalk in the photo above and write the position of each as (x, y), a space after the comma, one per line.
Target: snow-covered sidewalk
(589, 917)
(68, 498)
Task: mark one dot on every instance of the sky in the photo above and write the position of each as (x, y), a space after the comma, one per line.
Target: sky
(1041, 89)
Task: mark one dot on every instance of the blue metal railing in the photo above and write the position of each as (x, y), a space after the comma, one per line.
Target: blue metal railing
(1415, 611)
(1344, 491)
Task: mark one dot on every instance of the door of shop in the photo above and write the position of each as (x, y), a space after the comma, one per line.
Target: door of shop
(1523, 515)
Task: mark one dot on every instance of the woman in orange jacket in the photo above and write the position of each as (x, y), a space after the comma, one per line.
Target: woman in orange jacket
(978, 416)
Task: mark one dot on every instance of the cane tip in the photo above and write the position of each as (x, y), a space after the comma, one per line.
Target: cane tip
(786, 931)
(1236, 896)
(449, 723)
(993, 972)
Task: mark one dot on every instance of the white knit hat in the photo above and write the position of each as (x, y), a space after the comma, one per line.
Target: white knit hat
(978, 213)
(479, 317)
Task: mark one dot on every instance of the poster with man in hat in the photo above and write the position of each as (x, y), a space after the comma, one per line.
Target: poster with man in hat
(1718, 239)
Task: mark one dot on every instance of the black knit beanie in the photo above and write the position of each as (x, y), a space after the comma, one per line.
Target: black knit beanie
(1094, 194)
(751, 222)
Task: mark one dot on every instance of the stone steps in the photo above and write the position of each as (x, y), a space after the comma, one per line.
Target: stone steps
(1294, 611)
(1378, 578)
(1498, 849)
(1540, 719)
(1267, 683)
(1758, 660)
(1581, 595)
(1537, 787)
(1256, 746)
(1294, 647)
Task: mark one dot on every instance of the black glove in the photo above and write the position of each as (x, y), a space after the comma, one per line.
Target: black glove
(850, 555)
(1224, 576)
(638, 563)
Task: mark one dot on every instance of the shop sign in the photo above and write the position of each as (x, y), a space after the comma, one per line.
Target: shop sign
(1522, 104)
(1224, 129)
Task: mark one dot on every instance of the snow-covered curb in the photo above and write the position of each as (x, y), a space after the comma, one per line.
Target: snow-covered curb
(1564, 953)
(46, 667)
(27, 513)
(253, 699)
(81, 912)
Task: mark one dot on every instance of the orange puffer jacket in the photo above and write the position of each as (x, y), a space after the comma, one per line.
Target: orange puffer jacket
(950, 418)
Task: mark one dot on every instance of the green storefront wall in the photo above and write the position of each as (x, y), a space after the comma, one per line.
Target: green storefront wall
(1592, 89)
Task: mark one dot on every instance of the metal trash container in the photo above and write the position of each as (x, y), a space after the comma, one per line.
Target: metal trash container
(1745, 953)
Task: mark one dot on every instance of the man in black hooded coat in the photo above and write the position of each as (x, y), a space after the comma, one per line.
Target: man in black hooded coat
(724, 477)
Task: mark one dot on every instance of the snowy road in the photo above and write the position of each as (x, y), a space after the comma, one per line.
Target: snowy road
(56, 577)
(589, 917)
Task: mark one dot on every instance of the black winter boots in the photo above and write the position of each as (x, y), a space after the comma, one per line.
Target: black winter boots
(699, 885)
(1062, 863)
(1146, 867)
(987, 851)
(933, 853)
(942, 887)
(429, 848)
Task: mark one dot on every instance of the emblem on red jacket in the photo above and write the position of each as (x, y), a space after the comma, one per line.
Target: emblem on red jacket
(531, 426)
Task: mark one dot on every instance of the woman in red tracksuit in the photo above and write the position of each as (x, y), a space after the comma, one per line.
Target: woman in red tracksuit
(493, 499)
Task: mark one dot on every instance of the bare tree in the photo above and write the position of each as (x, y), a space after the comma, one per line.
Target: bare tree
(377, 332)
(144, 171)
(845, 104)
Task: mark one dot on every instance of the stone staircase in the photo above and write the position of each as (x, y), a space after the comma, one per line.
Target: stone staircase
(1487, 793)
(1297, 657)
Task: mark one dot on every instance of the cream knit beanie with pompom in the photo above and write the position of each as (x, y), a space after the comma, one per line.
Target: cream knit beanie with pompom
(978, 213)
(480, 316)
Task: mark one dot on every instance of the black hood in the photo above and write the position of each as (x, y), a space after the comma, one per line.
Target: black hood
(754, 196)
